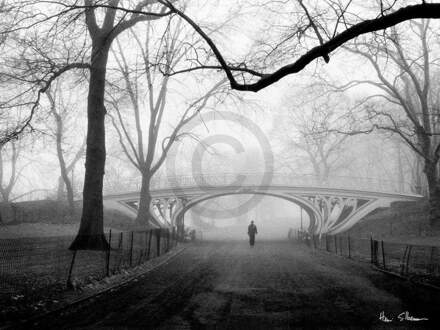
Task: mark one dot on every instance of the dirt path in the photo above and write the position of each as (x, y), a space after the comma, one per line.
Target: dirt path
(276, 285)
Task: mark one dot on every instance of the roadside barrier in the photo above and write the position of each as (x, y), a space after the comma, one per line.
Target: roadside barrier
(30, 265)
(418, 262)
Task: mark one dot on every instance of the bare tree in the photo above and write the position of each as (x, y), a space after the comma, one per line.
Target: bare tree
(311, 128)
(90, 235)
(410, 168)
(142, 147)
(418, 179)
(9, 154)
(409, 104)
(330, 23)
(4, 10)
(50, 48)
(115, 20)
(61, 113)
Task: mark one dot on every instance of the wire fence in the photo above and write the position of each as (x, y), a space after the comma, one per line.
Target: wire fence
(30, 265)
(418, 262)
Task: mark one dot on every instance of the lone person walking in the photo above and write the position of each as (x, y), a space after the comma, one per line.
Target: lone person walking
(252, 231)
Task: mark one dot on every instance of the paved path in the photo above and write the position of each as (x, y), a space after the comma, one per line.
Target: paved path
(275, 285)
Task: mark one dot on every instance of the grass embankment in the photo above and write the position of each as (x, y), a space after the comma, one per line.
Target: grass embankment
(406, 222)
(34, 255)
(50, 218)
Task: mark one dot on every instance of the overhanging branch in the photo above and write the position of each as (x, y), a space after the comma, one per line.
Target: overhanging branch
(423, 10)
(17, 131)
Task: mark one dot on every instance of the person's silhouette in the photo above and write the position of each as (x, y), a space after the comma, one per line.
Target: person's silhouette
(252, 231)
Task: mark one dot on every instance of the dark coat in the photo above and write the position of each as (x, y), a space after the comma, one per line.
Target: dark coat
(252, 230)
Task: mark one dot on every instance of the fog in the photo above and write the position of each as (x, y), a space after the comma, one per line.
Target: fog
(272, 216)
(304, 125)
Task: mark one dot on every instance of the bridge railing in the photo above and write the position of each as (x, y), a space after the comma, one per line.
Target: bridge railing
(271, 179)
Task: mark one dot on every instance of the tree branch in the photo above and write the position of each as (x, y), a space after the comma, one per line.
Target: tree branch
(16, 132)
(424, 10)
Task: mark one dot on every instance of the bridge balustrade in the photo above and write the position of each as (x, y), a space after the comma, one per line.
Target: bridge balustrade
(269, 179)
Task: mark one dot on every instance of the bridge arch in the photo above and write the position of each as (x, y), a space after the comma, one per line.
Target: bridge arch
(311, 210)
(333, 206)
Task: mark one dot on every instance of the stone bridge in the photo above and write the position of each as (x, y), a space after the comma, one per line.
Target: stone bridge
(333, 206)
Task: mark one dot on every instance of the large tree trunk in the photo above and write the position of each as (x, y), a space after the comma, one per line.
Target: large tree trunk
(144, 215)
(91, 231)
(434, 195)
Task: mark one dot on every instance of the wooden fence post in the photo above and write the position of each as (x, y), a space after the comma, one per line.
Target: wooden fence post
(374, 248)
(150, 237)
(121, 238)
(402, 262)
(407, 260)
(431, 267)
(69, 277)
(108, 253)
(349, 247)
(158, 232)
(383, 255)
(146, 244)
(131, 249)
(140, 257)
(120, 247)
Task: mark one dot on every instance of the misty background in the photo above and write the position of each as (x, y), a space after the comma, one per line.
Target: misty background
(312, 121)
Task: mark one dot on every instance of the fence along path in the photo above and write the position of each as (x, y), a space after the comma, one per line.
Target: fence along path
(421, 262)
(29, 265)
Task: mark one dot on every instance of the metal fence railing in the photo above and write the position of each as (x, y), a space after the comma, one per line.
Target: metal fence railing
(420, 262)
(262, 179)
(28, 265)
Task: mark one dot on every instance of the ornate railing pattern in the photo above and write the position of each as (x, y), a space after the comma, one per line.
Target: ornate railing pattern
(267, 179)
